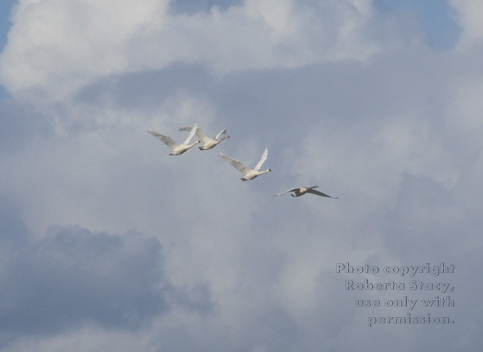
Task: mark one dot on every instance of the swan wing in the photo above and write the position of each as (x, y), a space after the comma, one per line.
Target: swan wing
(220, 133)
(320, 193)
(201, 135)
(192, 133)
(262, 160)
(288, 190)
(166, 140)
(238, 165)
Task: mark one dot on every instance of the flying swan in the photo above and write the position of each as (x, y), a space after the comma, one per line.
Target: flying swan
(248, 174)
(177, 148)
(300, 191)
(208, 143)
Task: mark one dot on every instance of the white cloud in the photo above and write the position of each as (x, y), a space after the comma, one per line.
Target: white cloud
(338, 93)
(73, 43)
(469, 18)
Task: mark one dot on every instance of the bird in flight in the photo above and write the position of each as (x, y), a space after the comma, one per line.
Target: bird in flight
(177, 148)
(248, 174)
(208, 143)
(300, 191)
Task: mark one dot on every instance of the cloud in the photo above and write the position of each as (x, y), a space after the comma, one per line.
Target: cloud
(468, 18)
(176, 252)
(77, 43)
(188, 7)
(74, 277)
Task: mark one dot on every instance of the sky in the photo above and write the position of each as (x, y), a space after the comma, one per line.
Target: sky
(108, 242)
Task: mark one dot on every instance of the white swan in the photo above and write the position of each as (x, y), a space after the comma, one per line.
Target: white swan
(208, 143)
(300, 191)
(177, 148)
(248, 174)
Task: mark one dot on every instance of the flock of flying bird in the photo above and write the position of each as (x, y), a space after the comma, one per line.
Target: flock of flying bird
(209, 143)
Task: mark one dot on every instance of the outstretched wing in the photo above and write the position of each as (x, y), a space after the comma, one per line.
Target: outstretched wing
(192, 133)
(238, 165)
(262, 160)
(186, 128)
(220, 133)
(166, 140)
(288, 190)
(201, 135)
(320, 193)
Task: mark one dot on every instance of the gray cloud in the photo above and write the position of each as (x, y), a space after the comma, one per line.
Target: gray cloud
(189, 7)
(74, 277)
(395, 134)
(19, 124)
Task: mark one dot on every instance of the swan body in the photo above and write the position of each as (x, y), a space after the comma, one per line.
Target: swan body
(177, 148)
(248, 174)
(300, 191)
(208, 143)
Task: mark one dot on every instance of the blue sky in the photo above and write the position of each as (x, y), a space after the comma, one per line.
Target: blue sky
(108, 242)
(437, 17)
(5, 8)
